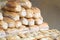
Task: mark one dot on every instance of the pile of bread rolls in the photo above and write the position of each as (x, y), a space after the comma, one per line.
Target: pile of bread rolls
(20, 21)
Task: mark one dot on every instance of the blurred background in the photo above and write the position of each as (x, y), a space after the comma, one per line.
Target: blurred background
(50, 10)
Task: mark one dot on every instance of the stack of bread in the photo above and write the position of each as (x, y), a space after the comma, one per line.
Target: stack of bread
(20, 21)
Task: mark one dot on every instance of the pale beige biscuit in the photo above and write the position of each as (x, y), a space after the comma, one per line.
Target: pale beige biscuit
(54, 33)
(18, 24)
(29, 13)
(12, 31)
(2, 38)
(1, 16)
(23, 13)
(24, 21)
(3, 24)
(12, 15)
(38, 21)
(11, 23)
(25, 3)
(28, 38)
(31, 22)
(58, 38)
(13, 37)
(23, 31)
(47, 38)
(44, 26)
(2, 33)
(37, 12)
(39, 35)
(34, 28)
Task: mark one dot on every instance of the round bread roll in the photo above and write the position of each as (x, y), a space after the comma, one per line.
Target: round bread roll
(44, 26)
(12, 15)
(13, 37)
(1, 16)
(23, 13)
(29, 13)
(34, 28)
(25, 3)
(17, 9)
(31, 22)
(12, 31)
(3, 24)
(2, 33)
(2, 38)
(37, 12)
(38, 21)
(11, 23)
(18, 24)
(24, 21)
(12, 4)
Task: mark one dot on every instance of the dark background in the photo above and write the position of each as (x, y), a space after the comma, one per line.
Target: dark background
(50, 11)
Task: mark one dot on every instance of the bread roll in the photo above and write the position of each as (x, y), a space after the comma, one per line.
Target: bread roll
(23, 31)
(31, 22)
(37, 12)
(1, 16)
(11, 23)
(18, 24)
(3, 24)
(12, 15)
(24, 21)
(13, 37)
(29, 13)
(12, 4)
(23, 13)
(12, 31)
(2, 33)
(17, 9)
(2, 38)
(25, 3)
(34, 28)
(38, 21)
(44, 26)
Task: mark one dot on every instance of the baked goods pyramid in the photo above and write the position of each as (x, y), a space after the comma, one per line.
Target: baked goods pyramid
(20, 21)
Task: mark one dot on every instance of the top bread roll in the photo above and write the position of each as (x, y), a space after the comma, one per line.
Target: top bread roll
(12, 6)
(25, 3)
(37, 12)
